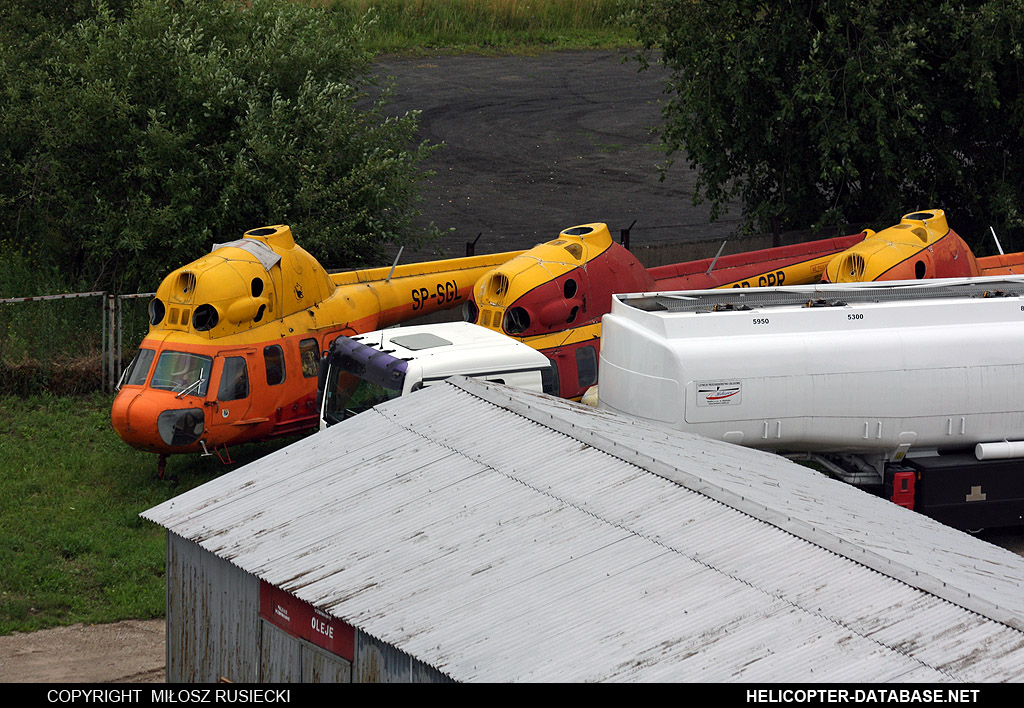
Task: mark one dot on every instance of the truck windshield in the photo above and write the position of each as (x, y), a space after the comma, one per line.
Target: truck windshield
(348, 394)
(358, 377)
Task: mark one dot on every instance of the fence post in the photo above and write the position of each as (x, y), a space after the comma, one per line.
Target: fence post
(103, 342)
(624, 235)
(120, 328)
(111, 327)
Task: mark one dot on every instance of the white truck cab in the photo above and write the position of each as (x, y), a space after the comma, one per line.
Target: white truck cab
(360, 372)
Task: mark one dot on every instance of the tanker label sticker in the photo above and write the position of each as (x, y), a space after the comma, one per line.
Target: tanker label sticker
(718, 393)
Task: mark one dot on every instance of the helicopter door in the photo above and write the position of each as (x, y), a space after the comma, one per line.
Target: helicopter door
(229, 398)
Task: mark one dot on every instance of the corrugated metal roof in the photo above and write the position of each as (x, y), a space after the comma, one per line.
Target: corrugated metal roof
(499, 535)
(885, 536)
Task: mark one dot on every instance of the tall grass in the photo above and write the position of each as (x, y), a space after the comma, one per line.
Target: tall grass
(72, 546)
(516, 25)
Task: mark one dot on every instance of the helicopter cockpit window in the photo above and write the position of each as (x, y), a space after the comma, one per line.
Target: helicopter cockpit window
(182, 372)
(234, 379)
(138, 370)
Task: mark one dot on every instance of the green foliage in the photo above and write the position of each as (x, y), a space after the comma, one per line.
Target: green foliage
(828, 113)
(27, 23)
(143, 137)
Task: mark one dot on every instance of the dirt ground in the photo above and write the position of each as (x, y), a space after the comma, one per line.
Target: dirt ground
(123, 652)
(534, 145)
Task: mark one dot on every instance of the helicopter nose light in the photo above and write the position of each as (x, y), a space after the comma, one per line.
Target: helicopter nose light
(181, 427)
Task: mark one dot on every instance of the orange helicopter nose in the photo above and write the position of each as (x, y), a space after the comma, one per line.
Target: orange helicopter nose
(157, 423)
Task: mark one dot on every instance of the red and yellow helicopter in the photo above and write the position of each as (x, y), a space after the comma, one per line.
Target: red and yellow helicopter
(236, 336)
(552, 296)
(921, 246)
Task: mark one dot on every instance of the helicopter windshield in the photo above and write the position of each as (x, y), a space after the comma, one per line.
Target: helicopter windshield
(138, 370)
(182, 372)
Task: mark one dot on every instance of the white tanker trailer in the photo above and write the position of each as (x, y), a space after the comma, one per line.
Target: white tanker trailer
(911, 387)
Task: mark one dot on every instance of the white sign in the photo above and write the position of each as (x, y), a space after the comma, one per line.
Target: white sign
(718, 393)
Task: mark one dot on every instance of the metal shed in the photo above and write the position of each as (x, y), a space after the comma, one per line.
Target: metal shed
(474, 532)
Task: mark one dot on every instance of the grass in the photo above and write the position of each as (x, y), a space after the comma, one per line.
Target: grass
(72, 546)
(517, 26)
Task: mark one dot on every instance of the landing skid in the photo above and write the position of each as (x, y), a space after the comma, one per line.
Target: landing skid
(225, 458)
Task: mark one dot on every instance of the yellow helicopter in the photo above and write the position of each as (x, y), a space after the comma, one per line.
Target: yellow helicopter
(235, 339)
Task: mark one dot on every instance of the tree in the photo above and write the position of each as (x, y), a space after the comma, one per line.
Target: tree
(827, 113)
(146, 135)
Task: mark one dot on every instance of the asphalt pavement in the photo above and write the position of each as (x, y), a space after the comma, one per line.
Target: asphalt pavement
(536, 144)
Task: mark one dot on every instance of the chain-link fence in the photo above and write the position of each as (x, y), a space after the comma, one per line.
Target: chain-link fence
(68, 344)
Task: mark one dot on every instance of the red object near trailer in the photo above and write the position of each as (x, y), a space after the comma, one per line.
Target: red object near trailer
(903, 488)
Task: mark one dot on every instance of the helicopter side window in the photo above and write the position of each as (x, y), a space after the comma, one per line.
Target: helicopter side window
(309, 353)
(273, 357)
(182, 372)
(234, 379)
(586, 366)
(549, 379)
